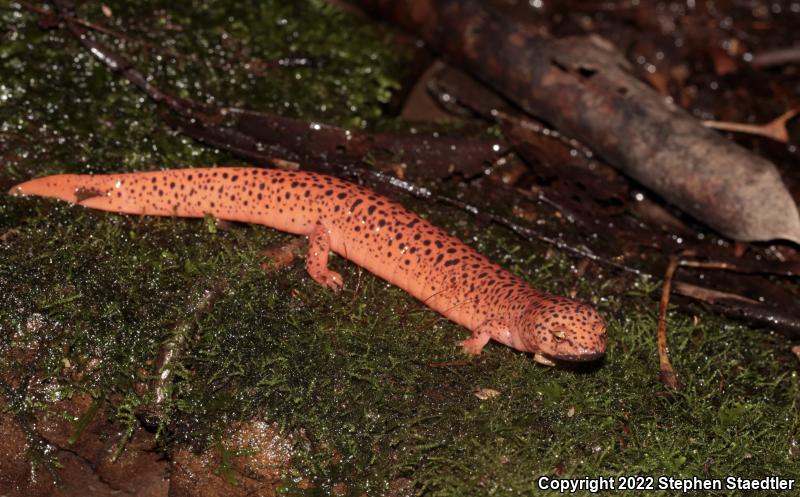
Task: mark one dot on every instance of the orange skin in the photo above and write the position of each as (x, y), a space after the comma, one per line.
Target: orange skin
(360, 225)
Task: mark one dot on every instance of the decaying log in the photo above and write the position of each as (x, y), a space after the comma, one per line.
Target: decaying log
(583, 87)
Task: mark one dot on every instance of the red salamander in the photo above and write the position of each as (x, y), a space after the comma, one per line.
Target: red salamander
(366, 228)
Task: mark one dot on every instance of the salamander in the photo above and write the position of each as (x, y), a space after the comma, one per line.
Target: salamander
(370, 230)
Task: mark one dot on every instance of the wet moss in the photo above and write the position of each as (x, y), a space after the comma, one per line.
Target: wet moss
(368, 380)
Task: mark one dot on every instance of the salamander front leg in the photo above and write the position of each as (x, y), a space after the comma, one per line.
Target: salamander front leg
(485, 332)
(319, 245)
(474, 344)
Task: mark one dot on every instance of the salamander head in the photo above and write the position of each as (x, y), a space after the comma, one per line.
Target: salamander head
(563, 329)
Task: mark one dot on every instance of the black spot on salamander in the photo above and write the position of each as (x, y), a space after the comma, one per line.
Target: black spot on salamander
(371, 209)
(342, 195)
(225, 175)
(451, 262)
(328, 193)
(439, 258)
(355, 204)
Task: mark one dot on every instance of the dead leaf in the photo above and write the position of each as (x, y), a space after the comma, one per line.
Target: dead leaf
(485, 393)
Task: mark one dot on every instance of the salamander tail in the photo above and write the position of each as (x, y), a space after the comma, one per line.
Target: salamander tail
(176, 192)
(73, 188)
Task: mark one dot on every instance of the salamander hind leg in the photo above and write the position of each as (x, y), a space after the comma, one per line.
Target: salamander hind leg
(319, 245)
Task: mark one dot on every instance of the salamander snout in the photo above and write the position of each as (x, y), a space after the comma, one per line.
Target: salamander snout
(565, 330)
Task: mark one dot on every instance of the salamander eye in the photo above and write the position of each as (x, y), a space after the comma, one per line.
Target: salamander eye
(560, 335)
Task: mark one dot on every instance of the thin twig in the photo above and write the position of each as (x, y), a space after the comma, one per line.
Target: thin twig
(666, 373)
(449, 364)
(778, 57)
(102, 29)
(775, 129)
(709, 295)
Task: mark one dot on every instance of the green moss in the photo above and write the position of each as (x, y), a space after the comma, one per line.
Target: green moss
(368, 373)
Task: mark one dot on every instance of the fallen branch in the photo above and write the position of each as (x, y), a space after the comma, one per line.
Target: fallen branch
(263, 137)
